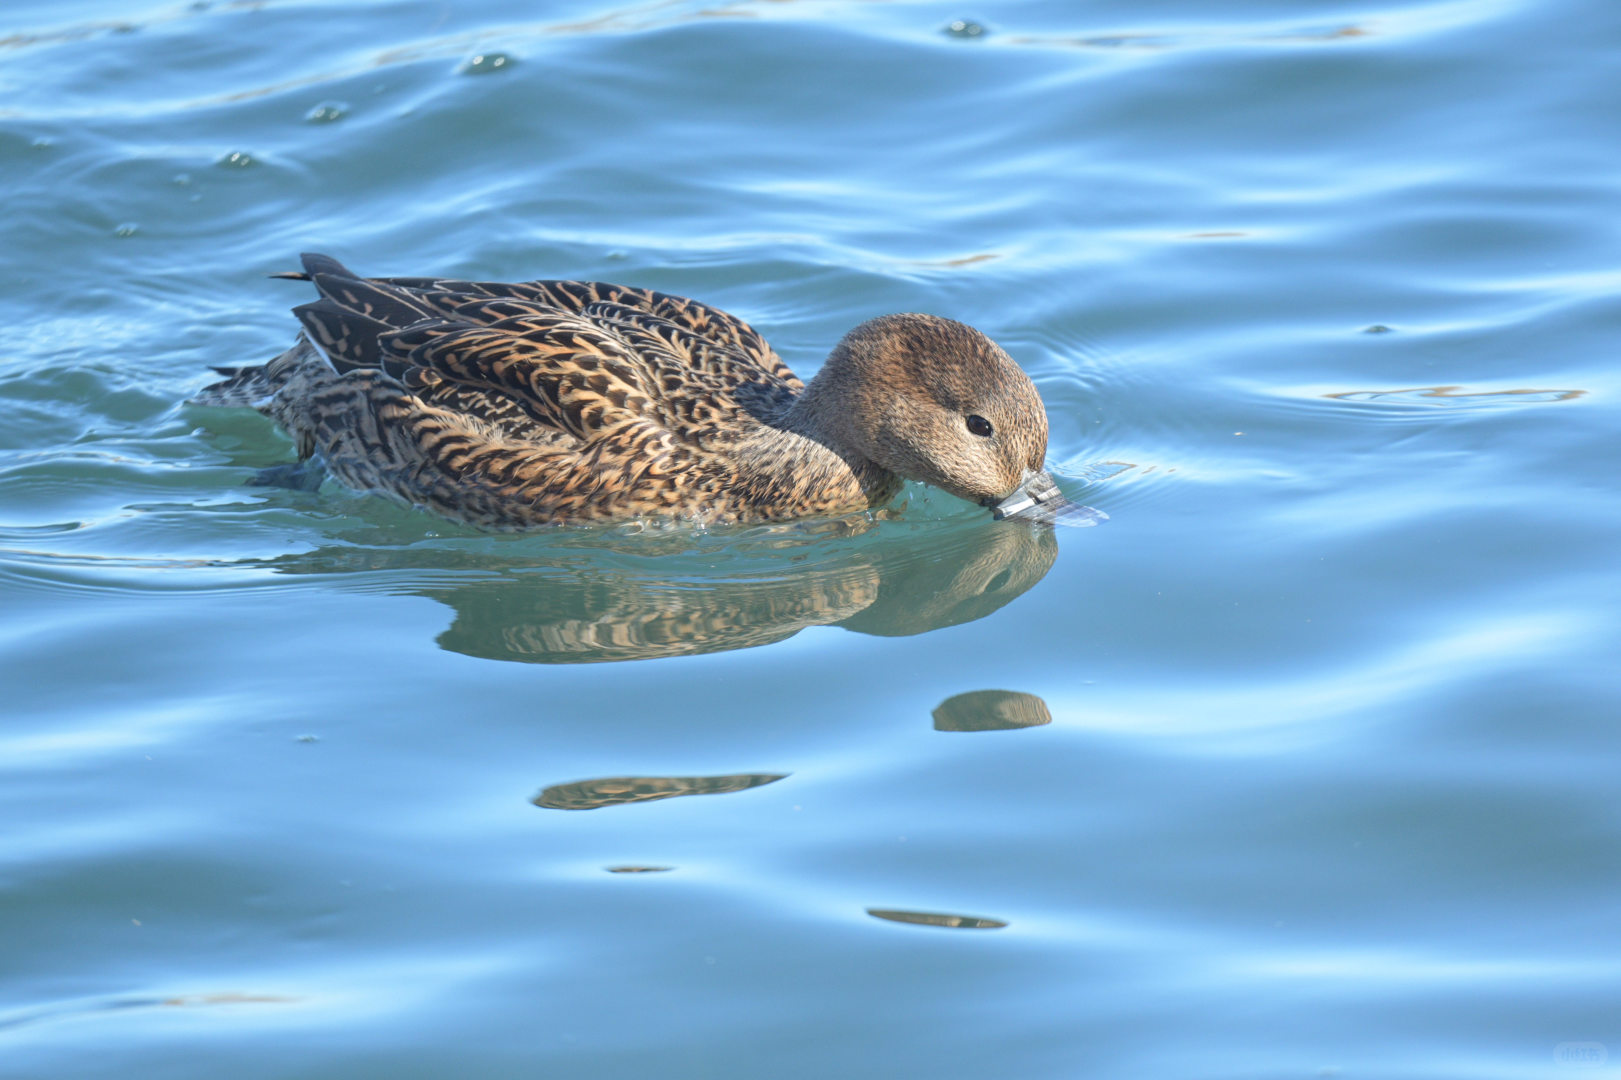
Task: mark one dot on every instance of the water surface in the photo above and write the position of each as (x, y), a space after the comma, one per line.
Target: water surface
(1303, 764)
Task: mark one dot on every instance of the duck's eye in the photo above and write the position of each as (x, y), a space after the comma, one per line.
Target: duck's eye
(979, 426)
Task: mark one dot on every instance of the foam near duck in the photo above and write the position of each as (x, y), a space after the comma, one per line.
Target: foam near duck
(550, 402)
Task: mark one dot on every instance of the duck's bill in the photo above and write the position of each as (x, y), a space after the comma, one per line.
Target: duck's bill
(1038, 499)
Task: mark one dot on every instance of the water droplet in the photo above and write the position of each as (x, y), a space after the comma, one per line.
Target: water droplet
(326, 112)
(182, 179)
(126, 229)
(43, 142)
(307, 738)
(965, 28)
(484, 63)
(238, 159)
(1377, 328)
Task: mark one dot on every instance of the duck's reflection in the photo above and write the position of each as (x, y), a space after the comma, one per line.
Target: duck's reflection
(617, 790)
(581, 605)
(592, 614)
(991, 710)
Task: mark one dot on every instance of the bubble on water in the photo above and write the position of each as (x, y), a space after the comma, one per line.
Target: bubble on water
(965, 28)
(484, 63)
(327, 112)
(129, 228)
(238, 159)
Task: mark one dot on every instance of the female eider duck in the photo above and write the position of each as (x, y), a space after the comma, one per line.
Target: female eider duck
(549, 402)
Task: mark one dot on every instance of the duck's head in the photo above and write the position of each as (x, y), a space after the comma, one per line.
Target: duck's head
(935, 401)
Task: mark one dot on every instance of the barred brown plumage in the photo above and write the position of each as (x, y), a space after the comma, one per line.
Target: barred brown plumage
(546, 402)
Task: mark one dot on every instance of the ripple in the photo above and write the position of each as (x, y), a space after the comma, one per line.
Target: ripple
(592, 595)
(1123, 483)
(26, 532)
(125, 1004)
(1352, 410)
(1394, 627)
(934, 918)
(1454, 397)
(1092, 472)
(1446, 16)
(619, 790)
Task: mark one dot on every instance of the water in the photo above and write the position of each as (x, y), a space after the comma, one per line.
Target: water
(1303, 764)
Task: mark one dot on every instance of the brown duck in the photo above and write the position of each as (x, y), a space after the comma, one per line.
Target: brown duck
(549, 402)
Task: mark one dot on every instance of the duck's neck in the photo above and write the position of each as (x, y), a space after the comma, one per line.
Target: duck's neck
(806, 459)
(822, 410)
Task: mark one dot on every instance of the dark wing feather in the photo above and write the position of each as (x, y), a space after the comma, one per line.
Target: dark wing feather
(551, 359)
(721, 331)
(560, 369)
(349, 339)
(396, 307)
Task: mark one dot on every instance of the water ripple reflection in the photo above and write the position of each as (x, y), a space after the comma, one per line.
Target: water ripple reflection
(1454, 396)
(991, 710)
(618, 790)
(933, 918)
(900, 583)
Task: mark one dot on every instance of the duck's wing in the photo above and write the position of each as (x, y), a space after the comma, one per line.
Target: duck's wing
(499, 411)
(710, 338)
(375, 434)
(574, 357)
(723, 341)
(506, 361)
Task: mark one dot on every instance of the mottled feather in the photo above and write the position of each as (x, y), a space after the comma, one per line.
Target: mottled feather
(517, 404)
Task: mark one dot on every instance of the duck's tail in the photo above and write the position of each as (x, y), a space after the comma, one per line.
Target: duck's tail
(256, 386)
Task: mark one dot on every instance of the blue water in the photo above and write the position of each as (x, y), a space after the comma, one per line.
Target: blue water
(1304, 764)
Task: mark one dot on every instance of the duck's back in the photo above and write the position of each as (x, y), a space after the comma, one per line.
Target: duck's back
(511, 404)
(568, 347)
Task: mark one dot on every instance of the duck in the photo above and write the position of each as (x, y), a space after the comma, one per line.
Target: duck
(552, 402)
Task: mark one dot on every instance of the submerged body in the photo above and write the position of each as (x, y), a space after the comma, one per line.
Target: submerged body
(549, 402)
